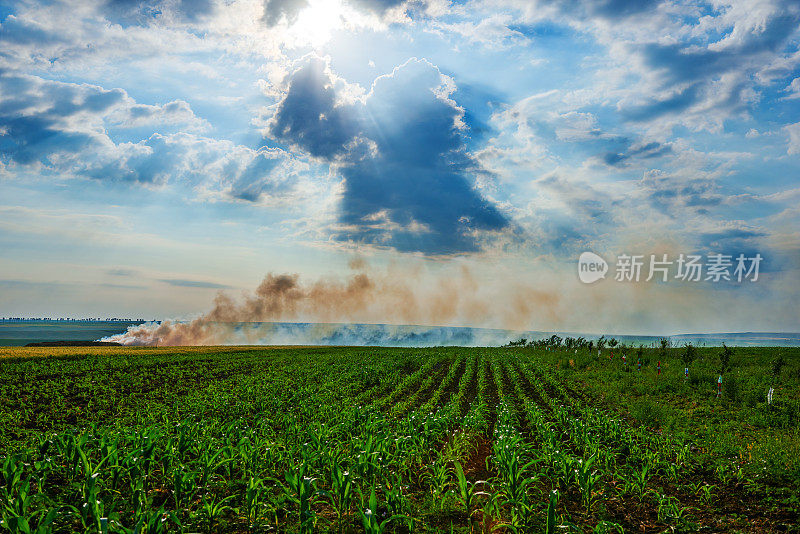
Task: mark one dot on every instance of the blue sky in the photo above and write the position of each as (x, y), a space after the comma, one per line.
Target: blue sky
(154, 153)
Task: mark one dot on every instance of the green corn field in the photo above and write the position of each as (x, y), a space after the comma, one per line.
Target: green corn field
(364, 439)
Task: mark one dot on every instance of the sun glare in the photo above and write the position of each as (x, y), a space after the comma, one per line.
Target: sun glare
(316, 23)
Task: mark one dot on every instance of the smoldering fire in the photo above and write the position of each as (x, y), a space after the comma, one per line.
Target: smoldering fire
(396, 296)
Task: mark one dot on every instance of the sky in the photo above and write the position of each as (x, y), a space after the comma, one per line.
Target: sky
(156, 154)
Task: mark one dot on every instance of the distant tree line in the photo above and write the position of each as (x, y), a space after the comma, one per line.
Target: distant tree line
(568, 343)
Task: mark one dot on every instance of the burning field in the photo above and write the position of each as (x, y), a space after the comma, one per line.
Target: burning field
(396, 296)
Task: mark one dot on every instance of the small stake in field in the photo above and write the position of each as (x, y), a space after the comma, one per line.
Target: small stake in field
(769, 395)
(658, 373)
(639, 365)
(719, 386)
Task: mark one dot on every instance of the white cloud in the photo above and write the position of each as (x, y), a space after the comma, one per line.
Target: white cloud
(64, 128)
(793, 89)
(793, 133)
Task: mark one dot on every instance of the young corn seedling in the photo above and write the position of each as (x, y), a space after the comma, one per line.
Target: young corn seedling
(565, 468)
(550, 525)
(341, 494)
(210, 463)
(672, 471)
(639, 480)
(302, 491)
(608, 527)
(396, 500)
(669, 509)
(514, 475)
(587, 478)
(18, 515)
(147, 453)
(11, 472)
(213, 510)
(32, 524)
(149, 522)
(438, 479)
(183, 487)
(367, 463)
(92, 510)
(467, 491)
(253, 500)
(136, 488)
(706, 492)
(369, 519)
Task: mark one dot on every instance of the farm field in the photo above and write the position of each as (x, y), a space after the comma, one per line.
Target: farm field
(364, 439)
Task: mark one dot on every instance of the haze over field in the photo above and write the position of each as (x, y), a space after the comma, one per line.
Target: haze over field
(396, 162)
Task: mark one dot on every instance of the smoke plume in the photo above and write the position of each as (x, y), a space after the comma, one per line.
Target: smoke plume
(395, 296)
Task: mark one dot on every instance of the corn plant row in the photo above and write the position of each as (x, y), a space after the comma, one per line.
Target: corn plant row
(114, 479)
(192, 464)
(597, 431)
(477, 418)
(406, 384)
(585, 435)
(445, 383)
(563, 468)
(459, 399)
(416, 397)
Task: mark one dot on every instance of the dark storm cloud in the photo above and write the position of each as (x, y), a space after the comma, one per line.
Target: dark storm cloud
(401, 153)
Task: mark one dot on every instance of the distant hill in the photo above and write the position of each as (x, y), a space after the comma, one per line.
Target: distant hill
(761, 339)
(81, 333)
(74, 344)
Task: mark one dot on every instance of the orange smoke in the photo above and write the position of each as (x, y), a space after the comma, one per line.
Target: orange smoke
(395, 296)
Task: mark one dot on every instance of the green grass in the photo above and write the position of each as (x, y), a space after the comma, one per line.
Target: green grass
(313, 439)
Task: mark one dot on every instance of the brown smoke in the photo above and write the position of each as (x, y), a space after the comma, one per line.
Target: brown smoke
(398, 296)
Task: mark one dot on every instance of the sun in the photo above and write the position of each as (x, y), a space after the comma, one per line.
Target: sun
(318, 20)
